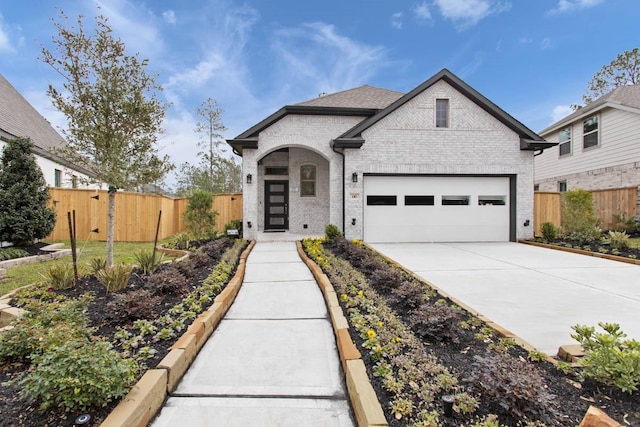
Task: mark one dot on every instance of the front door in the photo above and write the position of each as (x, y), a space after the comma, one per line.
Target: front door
(276, 205)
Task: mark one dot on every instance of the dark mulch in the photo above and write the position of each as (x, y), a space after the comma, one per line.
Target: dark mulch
(35, 249)
(17, 412)
(572, 398)
(596, 246)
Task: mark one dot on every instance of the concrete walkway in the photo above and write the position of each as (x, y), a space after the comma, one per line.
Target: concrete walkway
(536, 293)
(272, 361)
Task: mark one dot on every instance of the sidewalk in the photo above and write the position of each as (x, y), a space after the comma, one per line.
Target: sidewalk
(272, 361)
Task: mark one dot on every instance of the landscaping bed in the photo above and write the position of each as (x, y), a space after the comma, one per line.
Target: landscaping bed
(141, 322)
(420, 347)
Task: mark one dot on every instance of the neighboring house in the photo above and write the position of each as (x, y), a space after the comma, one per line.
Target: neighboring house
(598, 145)
(440, 163)
(19, 119)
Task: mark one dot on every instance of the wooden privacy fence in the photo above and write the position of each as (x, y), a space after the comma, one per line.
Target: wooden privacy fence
(607, 203)
(136, 214)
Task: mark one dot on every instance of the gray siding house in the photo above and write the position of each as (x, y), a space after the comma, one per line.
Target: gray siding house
(18, 119)
(439, 163)
(598, 145)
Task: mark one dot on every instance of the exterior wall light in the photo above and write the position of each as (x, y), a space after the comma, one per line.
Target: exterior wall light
(353, 221)
(354, 177)
(249, 178)
(249, 224)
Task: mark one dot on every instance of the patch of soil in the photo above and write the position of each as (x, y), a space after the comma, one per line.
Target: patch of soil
(572, 397)
(15, 411)
(596, 246)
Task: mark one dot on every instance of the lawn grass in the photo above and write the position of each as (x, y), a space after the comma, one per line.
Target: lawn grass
(33, 273)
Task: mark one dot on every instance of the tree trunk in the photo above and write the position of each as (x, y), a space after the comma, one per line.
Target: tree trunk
(110, 225)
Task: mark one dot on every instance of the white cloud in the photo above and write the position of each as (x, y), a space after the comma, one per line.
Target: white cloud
(5, 43)
(169, 16)
(560, 112)
(466, 13)
(317, 54)
(396, 20)
(546, 43)
(421, 10)
(570, 5)
(525, 40)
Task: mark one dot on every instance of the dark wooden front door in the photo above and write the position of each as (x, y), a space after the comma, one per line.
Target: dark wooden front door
(276, 205)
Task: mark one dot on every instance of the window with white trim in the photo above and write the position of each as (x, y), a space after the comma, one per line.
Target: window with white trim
(442, 113)
(564, 141)
(590, 132)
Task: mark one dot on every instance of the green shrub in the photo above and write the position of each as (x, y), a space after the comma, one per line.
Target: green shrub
(332, 232)
(617, 239)
(44, 325)
(114, 278)
(12, 253)
(578, 218)
(549, 231)
(625, 223)
(78, 374)
(181, 240)
(61, 276)
(608, 357)
(97, 264)
(146, 262)
(199, 216)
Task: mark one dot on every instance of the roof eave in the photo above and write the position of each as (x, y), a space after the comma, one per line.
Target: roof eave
(239, 144)
(347, 142)
(535, 145)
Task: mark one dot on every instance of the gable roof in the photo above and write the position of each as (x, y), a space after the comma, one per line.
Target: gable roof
(18, 119)
(360, 97)
(529, 139)
(374, 104)
(623, 97)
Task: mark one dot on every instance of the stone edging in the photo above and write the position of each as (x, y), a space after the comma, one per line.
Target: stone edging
(583, 252)
(364, 400)
(55, 253)
(147, 396)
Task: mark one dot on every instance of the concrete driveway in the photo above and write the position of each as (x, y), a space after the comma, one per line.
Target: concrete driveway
(534, 292)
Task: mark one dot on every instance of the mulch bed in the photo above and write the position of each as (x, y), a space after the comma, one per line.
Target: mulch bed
(17, 412)
(571, 397)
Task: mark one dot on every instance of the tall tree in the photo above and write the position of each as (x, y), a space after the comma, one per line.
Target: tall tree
(210, 128)
(112, 109)
(622, 71)
(24, 214)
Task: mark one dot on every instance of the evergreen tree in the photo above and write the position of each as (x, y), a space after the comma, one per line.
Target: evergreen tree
(24, 215)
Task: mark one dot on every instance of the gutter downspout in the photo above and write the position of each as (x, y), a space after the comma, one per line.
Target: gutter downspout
(535, 154)
(343, 192)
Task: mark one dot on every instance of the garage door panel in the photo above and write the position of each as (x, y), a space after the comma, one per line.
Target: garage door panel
(483, 215)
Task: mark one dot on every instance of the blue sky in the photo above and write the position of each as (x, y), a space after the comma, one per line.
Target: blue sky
(533, 58)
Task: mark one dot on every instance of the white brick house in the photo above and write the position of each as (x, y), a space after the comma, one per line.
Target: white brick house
(599, 145)
(440, 163)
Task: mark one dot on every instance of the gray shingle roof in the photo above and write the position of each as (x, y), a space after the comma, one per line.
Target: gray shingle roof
(360, 97)
(20, 119)
(627, 96)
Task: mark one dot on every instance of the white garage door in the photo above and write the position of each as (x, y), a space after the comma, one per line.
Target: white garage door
(436, 209)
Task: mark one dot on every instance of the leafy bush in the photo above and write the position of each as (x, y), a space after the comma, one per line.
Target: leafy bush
(332, 232)
(61, 276)
(146, 260)
(436, 322)
(168, 282)
(199, 259)
(625, 223)
(181, 240)
(608, 357)
(97, 264)
(199, 216)
(133, 305)
(12, 253)
(114, 278)
(185, 267)
(549, 231)
(408, 294)
(578, 218)
(617, 239)
(215, 248)
(514, 384)
(78, 374)
(44, 325)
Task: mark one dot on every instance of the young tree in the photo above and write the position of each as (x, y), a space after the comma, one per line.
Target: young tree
(112, 109)
(622, 71)
(199, 216)
(24, 215)
(210, 129)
